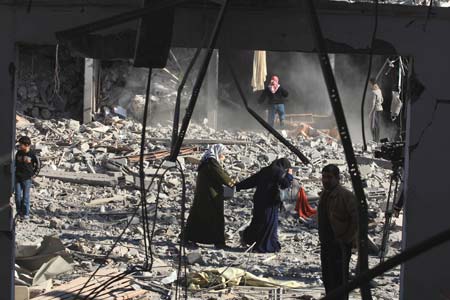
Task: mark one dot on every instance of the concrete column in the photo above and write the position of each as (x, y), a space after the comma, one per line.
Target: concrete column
(211, 86)
(7, 136)
(208, 98)
(90, 88)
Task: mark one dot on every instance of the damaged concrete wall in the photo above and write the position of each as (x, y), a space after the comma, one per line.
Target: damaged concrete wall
(44, 91)
(7, 77)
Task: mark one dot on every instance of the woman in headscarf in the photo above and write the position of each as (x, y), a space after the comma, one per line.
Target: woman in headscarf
(269, 183)
(205, 223)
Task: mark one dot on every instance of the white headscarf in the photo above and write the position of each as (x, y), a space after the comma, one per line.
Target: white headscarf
(214, 151)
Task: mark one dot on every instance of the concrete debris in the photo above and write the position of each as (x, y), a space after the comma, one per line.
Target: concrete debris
(194, 257)
(32, 258)
(105, 200)
(21, 292)
(170, 279)
(51, 269)
(88, 190)
(22, 122)
(120, 290)
(43, 94)
(74, 177)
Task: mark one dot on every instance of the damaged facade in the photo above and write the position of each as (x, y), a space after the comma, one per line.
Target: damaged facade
(90, 180)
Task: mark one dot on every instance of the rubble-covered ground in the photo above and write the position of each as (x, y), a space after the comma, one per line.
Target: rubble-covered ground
(87, 218)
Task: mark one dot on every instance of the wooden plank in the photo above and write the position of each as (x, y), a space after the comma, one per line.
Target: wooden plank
(101, 276)
(70, 295)
(112, 290)
(119, 290)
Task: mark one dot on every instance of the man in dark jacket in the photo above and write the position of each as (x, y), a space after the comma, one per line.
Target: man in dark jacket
(338, 227)
(27, 166)
(277, 97)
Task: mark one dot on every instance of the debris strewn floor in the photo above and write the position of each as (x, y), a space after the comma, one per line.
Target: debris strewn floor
(97, 190)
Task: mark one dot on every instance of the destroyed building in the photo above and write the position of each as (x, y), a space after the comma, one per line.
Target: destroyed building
(75, 78)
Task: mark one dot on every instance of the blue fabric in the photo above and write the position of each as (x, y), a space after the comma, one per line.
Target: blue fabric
(22, 196)
(276, 109)
(263, 229)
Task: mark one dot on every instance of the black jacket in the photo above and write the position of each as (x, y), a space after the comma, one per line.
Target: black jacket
(27, 165)
(280, 96)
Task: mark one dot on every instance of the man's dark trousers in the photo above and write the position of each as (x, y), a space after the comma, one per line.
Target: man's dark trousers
(335, 259)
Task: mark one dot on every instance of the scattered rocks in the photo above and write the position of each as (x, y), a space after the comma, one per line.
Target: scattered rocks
(194, 257)
(105, 147)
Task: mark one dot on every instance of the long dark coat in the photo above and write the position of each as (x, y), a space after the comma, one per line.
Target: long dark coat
(205, 223)
(263, 228)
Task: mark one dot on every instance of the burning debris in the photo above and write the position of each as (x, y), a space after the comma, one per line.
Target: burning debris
(88, 190)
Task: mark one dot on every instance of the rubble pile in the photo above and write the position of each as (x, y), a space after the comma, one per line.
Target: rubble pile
(49, 84)
(44, 91)
(88, 189)
(123, 85)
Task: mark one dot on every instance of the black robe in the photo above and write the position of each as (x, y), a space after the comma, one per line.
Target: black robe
(263, 228)
(205, 223)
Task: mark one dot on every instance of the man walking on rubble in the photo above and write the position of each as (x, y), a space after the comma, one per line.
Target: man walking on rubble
(27, 166)
(338, 227)
(277, 97)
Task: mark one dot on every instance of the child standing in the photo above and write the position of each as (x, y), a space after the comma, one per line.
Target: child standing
(27, 166)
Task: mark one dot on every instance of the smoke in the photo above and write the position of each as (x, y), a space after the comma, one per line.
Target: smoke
(301, 75)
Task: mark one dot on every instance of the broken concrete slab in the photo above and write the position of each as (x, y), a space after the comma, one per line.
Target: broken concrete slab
(51, 269)
(21, 292)
(170, 279)
(194, 257)
(101, 201)
(73, 125)
(49, 248)
(363, 160)
(91, 179)
(84, 147)
(26, 250)
(22, 122)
